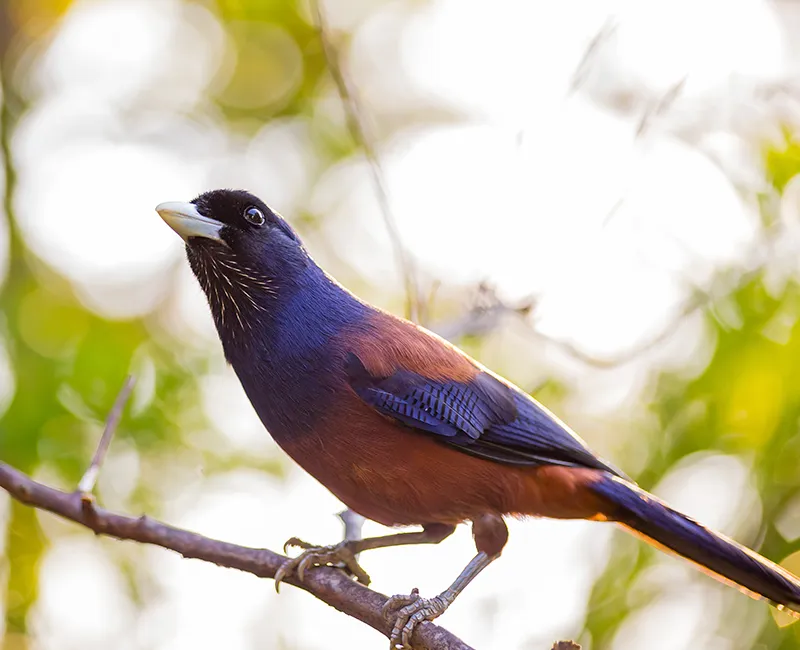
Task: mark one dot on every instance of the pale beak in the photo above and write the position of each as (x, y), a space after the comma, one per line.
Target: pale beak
(185, 220)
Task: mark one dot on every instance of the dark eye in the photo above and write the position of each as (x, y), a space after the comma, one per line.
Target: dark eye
(254, 216)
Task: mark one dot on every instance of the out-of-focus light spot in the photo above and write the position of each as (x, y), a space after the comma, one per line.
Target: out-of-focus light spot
(790, 204)
(5, 514)
(78, 576)
(674, 621)
(59, 121)
(788, 521)
(120, 475)
(187, 317)
(7, 382)
(265, 70)
(757, 393)
(455, 192)
(516, 70)
(344, 15)
(561, 248)
(784, 262)
(228, 408)
(118, 299)
(350, 223)
(372, 51)
(85, 199)
(33, 18)
(279, 164)
(4, 240)
(685, 213)
(718, 39)
(108, 49)
(196, 51)
(716, 490)
(50, 327)
(144, 371)
(197, 597)
(96, 221)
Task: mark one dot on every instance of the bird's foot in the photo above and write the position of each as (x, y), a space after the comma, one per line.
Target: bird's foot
(339, 555)
(411, 610)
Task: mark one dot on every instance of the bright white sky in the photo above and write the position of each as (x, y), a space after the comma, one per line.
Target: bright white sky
(521, 196)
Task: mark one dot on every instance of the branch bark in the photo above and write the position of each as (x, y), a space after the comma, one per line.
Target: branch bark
(329, 585)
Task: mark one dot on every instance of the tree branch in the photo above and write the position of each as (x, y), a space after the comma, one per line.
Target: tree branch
(329, 585)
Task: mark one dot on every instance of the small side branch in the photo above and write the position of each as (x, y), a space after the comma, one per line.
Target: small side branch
(89, 479)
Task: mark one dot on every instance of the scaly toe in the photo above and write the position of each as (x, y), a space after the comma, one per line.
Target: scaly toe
(414, 610)
(394, 603)
(411, 624)
(339, 556)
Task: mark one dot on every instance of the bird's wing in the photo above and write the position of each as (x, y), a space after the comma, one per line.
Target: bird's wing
(480, 415)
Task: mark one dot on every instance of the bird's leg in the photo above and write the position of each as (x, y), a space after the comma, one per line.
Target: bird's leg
(491, 534)
(345, 552)
(414, 609)
(353, 526)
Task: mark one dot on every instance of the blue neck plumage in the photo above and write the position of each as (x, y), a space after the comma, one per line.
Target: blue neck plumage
(288, 349)
(292, 322)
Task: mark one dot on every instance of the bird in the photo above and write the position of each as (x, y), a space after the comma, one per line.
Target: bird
(405, 428)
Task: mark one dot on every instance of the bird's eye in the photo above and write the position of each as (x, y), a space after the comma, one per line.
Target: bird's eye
(254, 216)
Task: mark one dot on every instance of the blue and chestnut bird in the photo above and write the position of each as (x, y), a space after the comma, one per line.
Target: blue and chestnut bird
(403, 427)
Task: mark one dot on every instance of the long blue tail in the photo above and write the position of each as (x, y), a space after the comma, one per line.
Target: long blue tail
(714, 553)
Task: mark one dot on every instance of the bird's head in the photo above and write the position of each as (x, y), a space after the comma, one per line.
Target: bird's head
(242, 252)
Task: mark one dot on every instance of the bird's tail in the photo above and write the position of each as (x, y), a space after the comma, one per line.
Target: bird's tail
(658, 524)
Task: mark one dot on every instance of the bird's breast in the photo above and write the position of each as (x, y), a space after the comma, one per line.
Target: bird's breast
(290, 394)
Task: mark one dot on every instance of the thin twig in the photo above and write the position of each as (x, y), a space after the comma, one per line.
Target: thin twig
(358, 130)
(485, 314)
(329, 585)
(689, 307)
(594, 46)
(89, 479)
(660, 106)
(489, 310)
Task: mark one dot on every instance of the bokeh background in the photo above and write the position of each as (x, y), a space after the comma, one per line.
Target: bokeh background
(600, 200)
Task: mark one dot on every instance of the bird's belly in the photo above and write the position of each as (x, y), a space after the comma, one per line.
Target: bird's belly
(368, 480)
(396, 476)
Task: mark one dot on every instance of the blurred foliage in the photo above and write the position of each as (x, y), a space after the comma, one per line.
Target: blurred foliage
(746, 401)
(68, 362)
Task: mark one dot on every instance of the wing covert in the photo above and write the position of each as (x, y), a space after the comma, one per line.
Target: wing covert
(482, 416)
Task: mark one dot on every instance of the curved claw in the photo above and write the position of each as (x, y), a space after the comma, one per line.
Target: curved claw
(296, 542)
(412, 611)
(338, 555)
(394, 603)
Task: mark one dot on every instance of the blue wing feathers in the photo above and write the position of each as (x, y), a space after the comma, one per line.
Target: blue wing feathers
(484, 416)
(406, 411)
